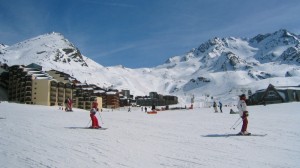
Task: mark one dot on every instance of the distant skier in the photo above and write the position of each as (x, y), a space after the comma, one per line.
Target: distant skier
(94, 119)
(242, 107)
(220, 106)
(153, 107)
(68, 104)
(215, 106)
(129, 110)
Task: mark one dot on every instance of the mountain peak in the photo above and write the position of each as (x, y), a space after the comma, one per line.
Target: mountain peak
(51, 48)
(225, 63)
(283, 34)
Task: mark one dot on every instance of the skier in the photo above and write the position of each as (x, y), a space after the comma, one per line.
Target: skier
(220, 106)
(70, 102)
(215, 107)
(129, 109)
(94, 119)
(66, 105)
(242, 107)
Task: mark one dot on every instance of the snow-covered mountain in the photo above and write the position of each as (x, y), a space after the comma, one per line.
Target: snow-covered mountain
(219, 68)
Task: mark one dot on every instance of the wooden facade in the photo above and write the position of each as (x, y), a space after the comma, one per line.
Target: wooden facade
(275, 94)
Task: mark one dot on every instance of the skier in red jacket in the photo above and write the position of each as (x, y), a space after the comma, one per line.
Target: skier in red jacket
(94, 119)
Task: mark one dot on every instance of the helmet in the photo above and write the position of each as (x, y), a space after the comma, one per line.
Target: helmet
(242, 95)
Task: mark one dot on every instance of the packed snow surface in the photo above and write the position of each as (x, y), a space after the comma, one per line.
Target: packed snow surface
(41, 136)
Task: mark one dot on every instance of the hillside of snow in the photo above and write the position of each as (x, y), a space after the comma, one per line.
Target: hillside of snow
(42, 136)
(221, 68)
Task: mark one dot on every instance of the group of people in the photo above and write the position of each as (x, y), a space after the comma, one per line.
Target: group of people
(216, 106)
(93, 111)
(242, 107)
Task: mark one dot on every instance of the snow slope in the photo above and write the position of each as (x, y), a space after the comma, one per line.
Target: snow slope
(41, 136)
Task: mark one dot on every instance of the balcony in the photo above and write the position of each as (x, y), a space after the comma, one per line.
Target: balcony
(53, 89)
(28, 84)
(52, 98)
(68, 90)
(53, 94)
(28, 99)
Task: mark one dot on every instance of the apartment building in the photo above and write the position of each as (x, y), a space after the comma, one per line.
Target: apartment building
(30, 85)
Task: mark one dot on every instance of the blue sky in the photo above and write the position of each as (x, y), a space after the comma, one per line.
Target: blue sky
(143, 33)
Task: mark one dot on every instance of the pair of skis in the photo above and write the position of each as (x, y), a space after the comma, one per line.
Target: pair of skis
(261, 135)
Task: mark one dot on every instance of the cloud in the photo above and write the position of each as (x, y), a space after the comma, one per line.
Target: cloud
(117, 50)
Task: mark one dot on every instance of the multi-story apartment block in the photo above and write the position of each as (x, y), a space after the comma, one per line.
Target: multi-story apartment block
(30, 85)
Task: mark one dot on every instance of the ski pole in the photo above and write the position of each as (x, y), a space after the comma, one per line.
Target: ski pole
(100, 118)
(235, 123)
(240, 122)
(88, 123)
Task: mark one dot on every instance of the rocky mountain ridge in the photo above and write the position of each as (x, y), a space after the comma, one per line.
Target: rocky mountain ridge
(225, 63)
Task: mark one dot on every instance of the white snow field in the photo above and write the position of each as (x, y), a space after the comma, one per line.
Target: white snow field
(41, 136)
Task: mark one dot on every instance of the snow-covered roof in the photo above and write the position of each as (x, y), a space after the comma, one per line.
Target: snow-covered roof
(43, 77)
(87, 89)
(80, 84)
(111, 93)
(287, 87)
(99, 91)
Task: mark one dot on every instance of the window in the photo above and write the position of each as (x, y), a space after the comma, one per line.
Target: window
(271, 94)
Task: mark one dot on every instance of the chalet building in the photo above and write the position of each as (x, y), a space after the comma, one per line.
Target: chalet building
(112, 99)
(275, 94)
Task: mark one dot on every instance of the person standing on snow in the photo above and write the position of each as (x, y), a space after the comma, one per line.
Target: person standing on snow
(215, 106)
(220, 106)
(94, 119)
(243, 111)
(129, 110)
(66, 105)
